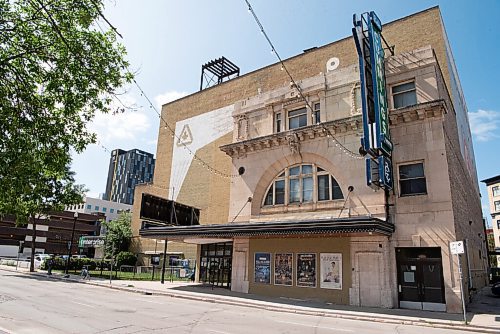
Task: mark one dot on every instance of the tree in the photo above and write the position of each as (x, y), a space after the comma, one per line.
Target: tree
(118, 234)
(491, 247)
(56, 71)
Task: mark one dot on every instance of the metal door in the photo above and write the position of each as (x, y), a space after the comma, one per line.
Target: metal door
(420, 280)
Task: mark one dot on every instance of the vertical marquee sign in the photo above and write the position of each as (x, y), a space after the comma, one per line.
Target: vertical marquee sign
(376, 140)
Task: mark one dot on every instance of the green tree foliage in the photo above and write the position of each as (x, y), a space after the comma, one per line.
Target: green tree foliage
(491, 247)
(125, 258)
(118, 234)
(57, 69)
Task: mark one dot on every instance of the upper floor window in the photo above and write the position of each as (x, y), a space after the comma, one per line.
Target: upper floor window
(302, 184)
(297, 118)
(111, 210)
(404, 95)
(278, 122)
(104, 209)
(96, 208)
(89, 207)
(497, 206)
(317, 113)
(498, 224)
(496, 191)
(412, 180)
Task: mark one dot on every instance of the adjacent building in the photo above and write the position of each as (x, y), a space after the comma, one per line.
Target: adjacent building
(493, 185)
(53, 234)
(108, 209)
(126, 170)
(285, 206)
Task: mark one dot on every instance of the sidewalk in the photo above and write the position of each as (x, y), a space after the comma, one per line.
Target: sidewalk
(483, 313)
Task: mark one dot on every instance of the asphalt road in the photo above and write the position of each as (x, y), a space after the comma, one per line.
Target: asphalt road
(30, 304)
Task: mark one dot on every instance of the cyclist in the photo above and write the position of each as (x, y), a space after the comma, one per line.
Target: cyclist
(85, 274)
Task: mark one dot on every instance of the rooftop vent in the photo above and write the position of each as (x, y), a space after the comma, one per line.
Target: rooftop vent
(214, 72)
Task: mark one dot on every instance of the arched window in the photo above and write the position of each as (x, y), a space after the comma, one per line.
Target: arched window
(303, 183)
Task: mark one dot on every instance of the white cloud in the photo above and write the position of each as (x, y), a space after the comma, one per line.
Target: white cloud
(168, 96)
(121, 126)
(485, 124)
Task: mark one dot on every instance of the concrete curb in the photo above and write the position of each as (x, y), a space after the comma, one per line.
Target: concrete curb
(302, 310)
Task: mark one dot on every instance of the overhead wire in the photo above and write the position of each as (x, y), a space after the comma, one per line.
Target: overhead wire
(338, 144)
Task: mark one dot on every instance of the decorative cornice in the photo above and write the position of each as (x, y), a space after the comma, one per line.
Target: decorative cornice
(341, 126)
(418, 112)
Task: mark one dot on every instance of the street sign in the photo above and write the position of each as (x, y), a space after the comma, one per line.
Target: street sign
(457, 247)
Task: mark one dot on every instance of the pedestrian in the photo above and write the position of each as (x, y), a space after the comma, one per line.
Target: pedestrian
(50, 263)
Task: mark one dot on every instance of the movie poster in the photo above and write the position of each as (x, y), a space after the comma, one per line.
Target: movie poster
(262, 268)
(331, 270)
(283, 269)
(306, 270)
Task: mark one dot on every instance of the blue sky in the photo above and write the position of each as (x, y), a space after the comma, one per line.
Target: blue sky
(168, 41)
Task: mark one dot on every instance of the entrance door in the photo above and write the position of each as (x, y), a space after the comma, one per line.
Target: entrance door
(215, 264)
(420, 278)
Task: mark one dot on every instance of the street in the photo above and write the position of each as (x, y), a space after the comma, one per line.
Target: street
(31, 304)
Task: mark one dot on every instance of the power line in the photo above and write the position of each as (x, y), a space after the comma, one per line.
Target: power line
(342, 147)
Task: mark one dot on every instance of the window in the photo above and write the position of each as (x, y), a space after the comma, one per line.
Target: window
(317, 113)
(104, 209)
(89, 207)
(278, 122)
(404, 95)
(304, 183)
(96, 208)
(111, 210)
(496, 191)
(297, 118)
(498, 224)
(497, 206)
(412, 180)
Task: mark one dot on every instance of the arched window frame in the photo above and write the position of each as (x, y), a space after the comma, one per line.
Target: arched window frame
(302, 183)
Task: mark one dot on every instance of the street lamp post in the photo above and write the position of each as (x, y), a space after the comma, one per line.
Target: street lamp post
(70, 244)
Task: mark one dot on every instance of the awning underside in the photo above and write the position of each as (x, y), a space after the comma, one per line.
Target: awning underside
(329, 226)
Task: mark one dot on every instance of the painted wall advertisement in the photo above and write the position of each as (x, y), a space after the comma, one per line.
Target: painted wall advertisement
(306, 270)
(331, 270)
(283, 269)
(262, 268)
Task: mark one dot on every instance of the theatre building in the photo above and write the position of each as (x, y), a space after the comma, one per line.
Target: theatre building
(290, 202)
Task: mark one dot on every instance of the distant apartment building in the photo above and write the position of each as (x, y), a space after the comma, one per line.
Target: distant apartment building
(96, 205)
(126, 169)
(493, 184)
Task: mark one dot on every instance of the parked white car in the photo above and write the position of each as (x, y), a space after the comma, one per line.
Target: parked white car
(39, 258)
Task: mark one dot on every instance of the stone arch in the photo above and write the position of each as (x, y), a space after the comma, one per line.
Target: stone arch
(289, 160)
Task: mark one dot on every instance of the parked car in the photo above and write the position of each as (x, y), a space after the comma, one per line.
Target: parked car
(39, 258)
(78, 256)
(495, 289)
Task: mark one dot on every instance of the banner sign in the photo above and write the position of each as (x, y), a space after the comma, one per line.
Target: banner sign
(383, 138)
(376, 140)
(306, 270)
(379, 173)
(283, 269)
(331, 270)
(262, 268)
(91, 242)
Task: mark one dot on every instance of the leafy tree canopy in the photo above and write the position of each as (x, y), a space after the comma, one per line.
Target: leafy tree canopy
(118, 234)
(57, 69)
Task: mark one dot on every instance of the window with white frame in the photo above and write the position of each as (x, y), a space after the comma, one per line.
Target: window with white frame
(412, 180)
(297, 118)
(404, 95)
(304, 183)
(496, 191)
(497, 206)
